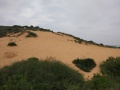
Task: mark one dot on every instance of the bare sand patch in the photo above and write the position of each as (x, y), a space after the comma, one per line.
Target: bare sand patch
(49, 44)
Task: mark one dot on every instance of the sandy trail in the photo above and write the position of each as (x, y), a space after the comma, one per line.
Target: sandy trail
(48, 44)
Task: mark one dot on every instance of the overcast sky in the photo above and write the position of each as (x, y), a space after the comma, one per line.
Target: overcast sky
(96, 20)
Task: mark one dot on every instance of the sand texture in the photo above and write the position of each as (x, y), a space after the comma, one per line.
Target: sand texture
(49, 44)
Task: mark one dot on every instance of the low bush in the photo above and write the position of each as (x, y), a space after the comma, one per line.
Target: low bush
(31, 34)
(12, 44)
(85, 64)
(111, 68)
(99, 82)
(34, 74)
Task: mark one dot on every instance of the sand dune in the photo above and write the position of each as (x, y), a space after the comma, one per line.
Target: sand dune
(49, 44)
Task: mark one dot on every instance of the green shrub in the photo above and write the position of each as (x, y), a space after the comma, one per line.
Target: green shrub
(34, 74)
(12, 44)
(99, 82)
(85, 64)
(31, 34)
(111, 68)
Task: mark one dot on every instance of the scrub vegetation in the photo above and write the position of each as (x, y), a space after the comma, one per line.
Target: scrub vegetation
(85, 64)
(35, 74)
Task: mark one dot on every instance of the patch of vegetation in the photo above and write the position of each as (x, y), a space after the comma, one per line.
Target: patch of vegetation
(79, 40)
(31, 34)
(12, 44)
(4, 30)
(111, 68)
(34, 74)
(85, 64)
(99, 82)
(49, 74)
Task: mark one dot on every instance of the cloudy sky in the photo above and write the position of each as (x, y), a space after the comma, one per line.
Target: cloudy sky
(96, 20)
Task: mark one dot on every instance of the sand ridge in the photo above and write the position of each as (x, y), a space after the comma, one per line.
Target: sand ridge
(49, 44)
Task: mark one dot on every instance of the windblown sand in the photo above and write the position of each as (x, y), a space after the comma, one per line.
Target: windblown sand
(49, 44)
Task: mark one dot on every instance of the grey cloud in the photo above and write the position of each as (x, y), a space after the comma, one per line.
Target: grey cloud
(97, 20)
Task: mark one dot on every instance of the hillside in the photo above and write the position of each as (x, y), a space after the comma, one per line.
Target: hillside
(48, 44)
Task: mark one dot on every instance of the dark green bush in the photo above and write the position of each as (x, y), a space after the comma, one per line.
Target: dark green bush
(31, 34)
(33, 74)
(12, 44)
(85, 64)
(111, 68)
(99, 82)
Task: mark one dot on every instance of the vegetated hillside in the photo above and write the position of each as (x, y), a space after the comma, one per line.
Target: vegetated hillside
(35, 74)
(6, 30)
(51, 74)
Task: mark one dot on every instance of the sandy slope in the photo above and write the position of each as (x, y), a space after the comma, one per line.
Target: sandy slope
(48, 44)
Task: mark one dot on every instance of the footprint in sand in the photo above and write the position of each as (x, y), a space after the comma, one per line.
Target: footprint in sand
(10, 54)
